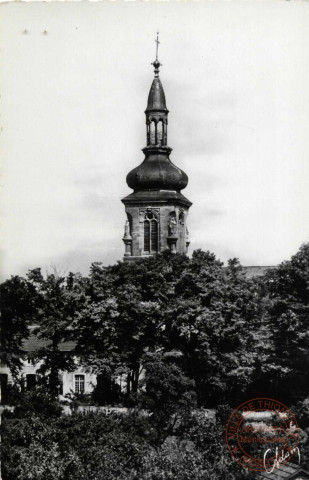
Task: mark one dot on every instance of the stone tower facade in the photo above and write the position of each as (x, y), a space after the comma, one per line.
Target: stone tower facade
(156, 210)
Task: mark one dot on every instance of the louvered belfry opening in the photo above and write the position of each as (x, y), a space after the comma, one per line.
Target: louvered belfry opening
(146, 236)
(154, 235)
(150, 233)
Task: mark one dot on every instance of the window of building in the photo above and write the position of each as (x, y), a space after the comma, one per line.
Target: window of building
(4, 387)
(79, 383)
(30, 381)
(150, 233)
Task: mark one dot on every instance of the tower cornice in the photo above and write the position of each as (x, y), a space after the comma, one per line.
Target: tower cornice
(156, 197)
(156, 150)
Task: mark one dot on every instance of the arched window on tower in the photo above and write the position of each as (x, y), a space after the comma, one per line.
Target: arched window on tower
(150, 233)
(148, 133)
(165, 133)
(160, 133)
(152, 133)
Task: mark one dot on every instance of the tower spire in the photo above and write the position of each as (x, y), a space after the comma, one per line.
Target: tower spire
(156, 210)
(156, 63)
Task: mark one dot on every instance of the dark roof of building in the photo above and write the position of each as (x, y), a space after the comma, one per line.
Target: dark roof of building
(287, 471)
(33, 343)
(256, 271)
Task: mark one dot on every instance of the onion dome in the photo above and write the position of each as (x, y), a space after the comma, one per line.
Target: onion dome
(157, 172)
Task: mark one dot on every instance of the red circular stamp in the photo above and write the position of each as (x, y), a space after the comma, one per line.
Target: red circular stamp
(262, 434)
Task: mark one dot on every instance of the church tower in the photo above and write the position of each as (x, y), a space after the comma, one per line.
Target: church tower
(156, 211)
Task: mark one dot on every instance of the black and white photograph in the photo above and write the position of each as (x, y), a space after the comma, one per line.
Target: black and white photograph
(154, 240)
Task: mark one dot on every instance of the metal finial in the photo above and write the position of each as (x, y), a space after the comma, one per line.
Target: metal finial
(156, 63)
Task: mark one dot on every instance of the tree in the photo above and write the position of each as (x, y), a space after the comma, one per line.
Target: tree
(59, 298)
(287, 290)
(210, 313)
(124, 316)
(169, 394)
(19, 302)
(217, 322)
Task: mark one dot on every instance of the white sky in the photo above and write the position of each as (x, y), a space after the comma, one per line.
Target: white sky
(236, 78)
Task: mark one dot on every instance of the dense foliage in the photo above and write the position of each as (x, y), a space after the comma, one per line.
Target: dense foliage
(41, 446)
(183, 333)
(211, 316)
(287, 288)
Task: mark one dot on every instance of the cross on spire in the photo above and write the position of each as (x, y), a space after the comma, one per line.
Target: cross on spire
(157, 48)
(156, 63)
